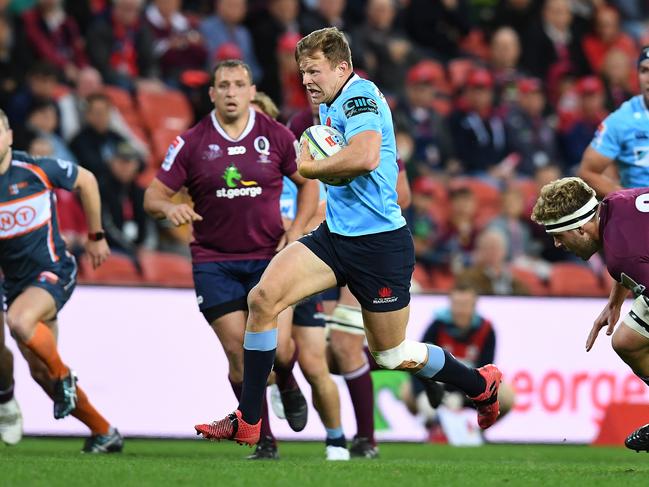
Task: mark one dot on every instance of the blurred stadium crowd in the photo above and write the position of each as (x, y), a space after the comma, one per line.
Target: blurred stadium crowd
(491, 99)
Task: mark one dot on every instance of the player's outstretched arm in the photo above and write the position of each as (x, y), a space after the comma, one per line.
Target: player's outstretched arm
(158, 204)
(593, 168)
(360, 156)
(86, 184)
(609, 315)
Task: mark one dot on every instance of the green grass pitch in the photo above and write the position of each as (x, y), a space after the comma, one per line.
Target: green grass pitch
(57, 462)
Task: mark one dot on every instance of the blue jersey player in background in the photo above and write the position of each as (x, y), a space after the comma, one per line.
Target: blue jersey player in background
(622, 140)
(364, 243)
(40, 276)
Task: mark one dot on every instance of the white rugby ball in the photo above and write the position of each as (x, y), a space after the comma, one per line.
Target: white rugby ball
(324, 141)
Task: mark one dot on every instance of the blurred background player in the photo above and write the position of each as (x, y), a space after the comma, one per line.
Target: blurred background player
(363, 242)
(347, 346)
(569, 211)
(308, 325)
(232, 163)
(471, 339)
(11, 419)
(621, 142)
(40, 275)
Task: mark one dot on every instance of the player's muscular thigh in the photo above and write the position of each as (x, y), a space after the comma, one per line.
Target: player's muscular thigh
(293, 274)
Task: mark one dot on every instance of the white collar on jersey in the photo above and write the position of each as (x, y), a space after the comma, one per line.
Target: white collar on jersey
(350, 81)
(246, 131)
(574, 220)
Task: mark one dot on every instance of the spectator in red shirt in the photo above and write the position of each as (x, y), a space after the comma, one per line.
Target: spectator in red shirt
(607, 35)
(54, 37)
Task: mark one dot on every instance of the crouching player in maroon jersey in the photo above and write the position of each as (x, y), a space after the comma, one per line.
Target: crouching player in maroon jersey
(39, 275)
(233, 163)
(617, 225)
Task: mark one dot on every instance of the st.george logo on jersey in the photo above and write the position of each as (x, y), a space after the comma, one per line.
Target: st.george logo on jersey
(324, 141)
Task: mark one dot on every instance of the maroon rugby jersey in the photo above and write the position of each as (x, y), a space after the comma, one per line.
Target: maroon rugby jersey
(624, 232)
(301, 121)
(235, 184)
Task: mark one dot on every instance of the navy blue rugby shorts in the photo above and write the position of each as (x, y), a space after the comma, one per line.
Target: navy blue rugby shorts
(376, 267)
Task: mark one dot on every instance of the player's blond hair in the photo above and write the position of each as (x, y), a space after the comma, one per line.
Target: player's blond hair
(560, 198)
(266, 104)
(330, 41)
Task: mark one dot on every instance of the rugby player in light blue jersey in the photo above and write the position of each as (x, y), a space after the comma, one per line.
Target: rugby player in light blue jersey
(622, 140)
(364, 243)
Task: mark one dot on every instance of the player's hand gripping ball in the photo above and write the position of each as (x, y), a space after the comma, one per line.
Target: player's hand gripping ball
(324, 141)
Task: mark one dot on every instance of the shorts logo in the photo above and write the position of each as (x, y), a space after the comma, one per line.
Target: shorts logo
(385, 296)
(199, 300)
(48, 277)
(359, 105)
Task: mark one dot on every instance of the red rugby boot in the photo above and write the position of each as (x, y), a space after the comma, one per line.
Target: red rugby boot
(487, 402)
(232, 427)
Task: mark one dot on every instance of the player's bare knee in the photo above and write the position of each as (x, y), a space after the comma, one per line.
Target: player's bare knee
(348, 355)
(262, 301)
(21, 325)
(314, 367)
(627, 345)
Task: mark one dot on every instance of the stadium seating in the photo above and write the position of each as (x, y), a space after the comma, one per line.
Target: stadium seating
(488, 197)
(422, 277)
(117, 270)
(160, 141)
(568, 279)
(441, 281)
(123, 101)
(439, 208)
(168, 109)
(531, 281)
(165, 269)
(529, 190)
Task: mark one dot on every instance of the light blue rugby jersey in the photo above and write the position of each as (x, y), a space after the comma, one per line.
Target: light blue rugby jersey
(368, 204)
(624, 137)
(288, 199)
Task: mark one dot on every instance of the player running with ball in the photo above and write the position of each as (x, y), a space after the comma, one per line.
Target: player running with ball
(363, 243)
